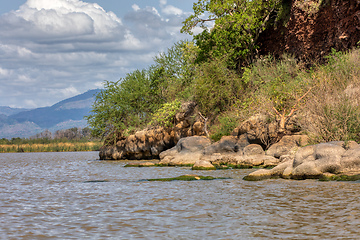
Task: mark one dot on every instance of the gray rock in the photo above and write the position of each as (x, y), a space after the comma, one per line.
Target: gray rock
(186, 152)
(253, 149)
(317, 161)
(243, 141)
(286, 145)
(227, 144)
(192, 144)
(304, 154)
(350, 160)
(203, 165)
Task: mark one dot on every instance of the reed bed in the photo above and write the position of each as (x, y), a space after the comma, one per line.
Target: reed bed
(51, 147)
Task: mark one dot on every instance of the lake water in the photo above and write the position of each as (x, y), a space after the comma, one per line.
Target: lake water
(57, 196)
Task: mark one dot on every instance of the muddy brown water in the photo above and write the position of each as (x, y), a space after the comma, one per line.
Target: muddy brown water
(74, 196)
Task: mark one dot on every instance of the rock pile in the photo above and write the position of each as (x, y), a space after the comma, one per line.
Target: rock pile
(230, 151)
(316, 161)
(244, 147)
(149, 143)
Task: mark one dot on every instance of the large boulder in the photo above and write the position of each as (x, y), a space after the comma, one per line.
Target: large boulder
(256, 129)
(288, 145)
(186, 152)
(316, 161)
(253, 149)
(227, 144)
(251, 156)
(259, 129)
(145, 144)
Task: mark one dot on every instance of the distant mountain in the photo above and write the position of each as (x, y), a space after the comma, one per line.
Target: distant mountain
(74, 108)
(7, 111)
(22, 130)
(65, 114)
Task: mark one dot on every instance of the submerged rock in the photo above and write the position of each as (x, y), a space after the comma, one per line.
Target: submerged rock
(203, 165)
(189, 177)
(141, 164)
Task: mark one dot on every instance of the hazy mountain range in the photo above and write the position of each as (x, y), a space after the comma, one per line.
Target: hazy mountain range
(19, 122)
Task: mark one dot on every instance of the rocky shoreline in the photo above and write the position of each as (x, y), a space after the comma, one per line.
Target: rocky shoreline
(290, 157)
(326, 161)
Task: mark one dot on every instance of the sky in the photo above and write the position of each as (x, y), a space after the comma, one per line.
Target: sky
(51, 50)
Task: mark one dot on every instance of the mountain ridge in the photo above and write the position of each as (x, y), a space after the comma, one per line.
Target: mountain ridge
(65, 114)
(7, 111)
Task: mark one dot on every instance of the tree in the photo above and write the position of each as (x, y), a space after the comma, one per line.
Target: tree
(237, 26)
(216, 87)
(173, 71)
(122, 106)
(129, 104)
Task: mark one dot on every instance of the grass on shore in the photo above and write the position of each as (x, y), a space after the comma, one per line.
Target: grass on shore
(51, 147)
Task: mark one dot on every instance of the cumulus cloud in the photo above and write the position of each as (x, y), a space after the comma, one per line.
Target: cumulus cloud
(171, 10)
(70, 91)
(163, 2)
(135, 7)
(54, 49)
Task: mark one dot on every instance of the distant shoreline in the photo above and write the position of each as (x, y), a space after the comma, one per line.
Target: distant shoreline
(51, 147)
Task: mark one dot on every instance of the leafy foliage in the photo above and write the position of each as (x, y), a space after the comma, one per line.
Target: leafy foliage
(123, 105)
(216, 87)
(226, 124)
(164, 116)
(237, 26)
(129, 104)
(172, 72)
(279, 83)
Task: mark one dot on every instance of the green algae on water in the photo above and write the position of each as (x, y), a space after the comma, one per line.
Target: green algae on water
(184, 178)
(340, 178)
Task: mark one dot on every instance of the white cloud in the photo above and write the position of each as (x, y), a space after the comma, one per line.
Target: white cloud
(30, 103)
(60, 20)
(4, 72)
(52, 49)
(99, 84)
(163, 2)
(70, 91)
(171, 10)
(135, 7)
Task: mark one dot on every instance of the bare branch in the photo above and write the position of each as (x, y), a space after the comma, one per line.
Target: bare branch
(283, 120)
(293, 109)
(205, 124)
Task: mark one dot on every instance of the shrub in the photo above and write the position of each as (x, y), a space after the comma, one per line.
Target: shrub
(165, 115)
(277, 84)
(216, 88)
(130, 103)
(226, 123)
(334, 111)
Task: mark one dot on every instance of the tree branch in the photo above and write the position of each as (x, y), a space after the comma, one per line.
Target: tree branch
(205, 124)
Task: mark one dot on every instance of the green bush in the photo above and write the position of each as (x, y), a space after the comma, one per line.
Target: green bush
(216, 88)
(165, 116)
(123, 106)
(334, 111)
(130, 103)
(277, 84)
(226, 123)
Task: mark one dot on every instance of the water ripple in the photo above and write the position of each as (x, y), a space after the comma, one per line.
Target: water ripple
(71, 196)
